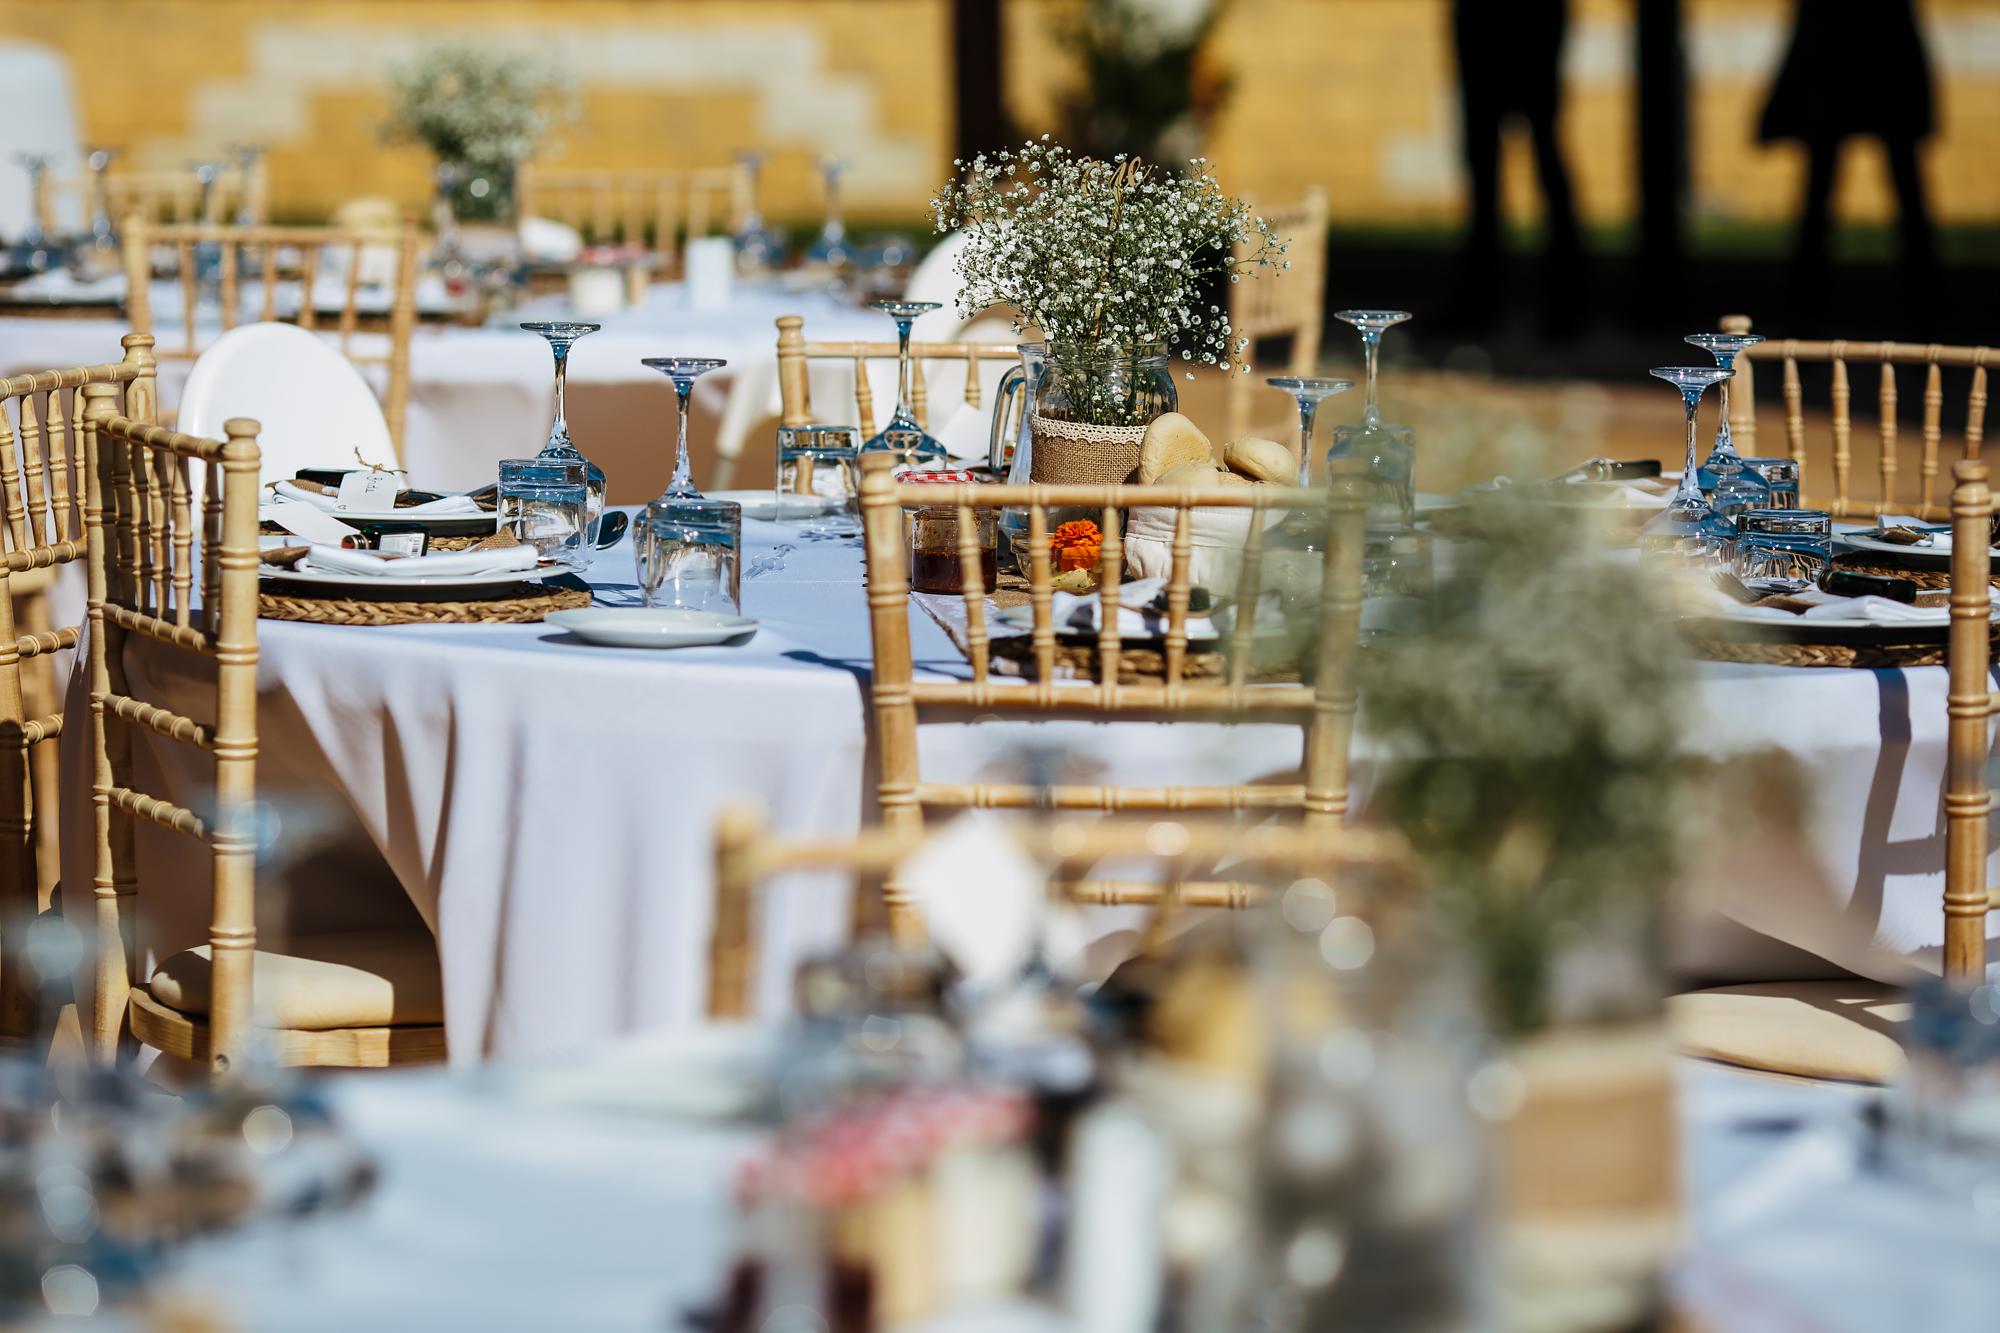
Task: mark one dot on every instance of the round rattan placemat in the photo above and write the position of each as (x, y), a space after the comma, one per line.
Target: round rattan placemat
(515, 604)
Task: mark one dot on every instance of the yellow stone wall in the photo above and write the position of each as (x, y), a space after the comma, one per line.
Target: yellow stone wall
(1356, 95)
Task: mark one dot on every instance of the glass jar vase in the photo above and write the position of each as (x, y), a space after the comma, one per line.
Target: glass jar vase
(1091, 409)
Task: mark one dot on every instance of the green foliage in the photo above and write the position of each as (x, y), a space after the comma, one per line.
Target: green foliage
(1147, 91)
(1533, 739)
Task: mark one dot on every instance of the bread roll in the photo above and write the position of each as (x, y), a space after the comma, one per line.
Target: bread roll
(1262, 460)
(1189, 474)
(1228, 478)
(1170, 441)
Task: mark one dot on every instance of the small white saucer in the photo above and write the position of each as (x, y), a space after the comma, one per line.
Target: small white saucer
(651, 627)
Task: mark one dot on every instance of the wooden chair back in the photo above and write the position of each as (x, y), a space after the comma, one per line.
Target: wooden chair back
(1325, 709)
(1271, 302)
(659, 210)
(1841, 501)
(141, 536)
(42, 493)
(746, 855)
(795, 356)
(174, 196)
(1968, 796)
(275, 257)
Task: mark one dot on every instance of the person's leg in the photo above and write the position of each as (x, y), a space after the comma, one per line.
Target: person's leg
(1563, 265)
(1809, 254)
(1480, 260)
(1918, 249)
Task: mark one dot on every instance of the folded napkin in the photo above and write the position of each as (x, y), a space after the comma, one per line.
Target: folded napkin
(336, 560)
(450, 504)
(1878, 610)
(1082, 615)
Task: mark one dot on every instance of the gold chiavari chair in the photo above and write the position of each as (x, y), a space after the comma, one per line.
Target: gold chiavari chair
(1272, 302)
(274, 255)
(41, 477)
(746, 855)
(1845, 1029)
(358, 999)
(655, 208)
(796, 355)
(1886, 356)
(1324, 709)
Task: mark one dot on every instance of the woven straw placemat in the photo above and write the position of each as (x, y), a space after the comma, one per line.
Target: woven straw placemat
(1861, 657)
(513, 604)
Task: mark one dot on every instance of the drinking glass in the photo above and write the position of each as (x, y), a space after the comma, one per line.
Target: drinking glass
(561, 336)
(691, 557)
(1389, 451)
(683, 371)
(1784, 550)
(821, 462)
(544, 502)
(1723, 471)
(1688, 531)
(832, 248)
(1309, 390)
(903, 436)
(1782, 476)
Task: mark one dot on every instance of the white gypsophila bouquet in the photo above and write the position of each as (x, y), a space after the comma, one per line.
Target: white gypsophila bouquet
(1102, 257)
(469, 105)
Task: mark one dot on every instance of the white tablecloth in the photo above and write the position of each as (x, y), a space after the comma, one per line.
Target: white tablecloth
(547, 806)
(480, 395)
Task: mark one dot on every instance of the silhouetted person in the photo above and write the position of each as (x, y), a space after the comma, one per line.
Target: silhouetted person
(1855, 67)
(1510, 64)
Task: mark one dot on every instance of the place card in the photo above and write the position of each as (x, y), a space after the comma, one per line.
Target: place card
(308, 521)
(369, 492)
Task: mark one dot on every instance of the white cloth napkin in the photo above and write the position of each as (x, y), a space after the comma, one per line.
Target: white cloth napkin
(337, 560)
(1879, 610)
(450, 504)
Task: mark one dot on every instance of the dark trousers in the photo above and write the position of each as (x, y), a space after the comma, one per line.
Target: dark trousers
(1562, 261)
(1918, 247)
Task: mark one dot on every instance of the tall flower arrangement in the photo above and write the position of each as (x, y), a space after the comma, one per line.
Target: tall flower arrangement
(481, 112)
(1102, 256)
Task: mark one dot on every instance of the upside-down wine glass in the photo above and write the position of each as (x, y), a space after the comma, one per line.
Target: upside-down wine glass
(561, 336)
(903, 436)
(1731, 484)
(1309, 390)
(96, 256)
(757, 247)
(1389, 452)
(1688, 531)
(33, 252)
(832, 248)
(696, 528)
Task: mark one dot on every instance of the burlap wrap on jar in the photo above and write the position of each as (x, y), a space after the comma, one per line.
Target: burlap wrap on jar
(1075, 453)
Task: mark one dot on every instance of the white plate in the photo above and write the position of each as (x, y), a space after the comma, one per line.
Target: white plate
(418, 581)
(1939, 544)
(763, 505)
(651, 627)
(1746, 615)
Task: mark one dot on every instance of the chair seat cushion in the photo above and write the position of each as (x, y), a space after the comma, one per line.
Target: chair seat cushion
(1817, 1029)
(364, 978)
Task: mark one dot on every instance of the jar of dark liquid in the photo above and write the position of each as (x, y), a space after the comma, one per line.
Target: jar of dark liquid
(935, 565)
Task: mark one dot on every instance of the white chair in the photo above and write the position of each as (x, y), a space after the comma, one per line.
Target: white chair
(315, 408)
(37, 115)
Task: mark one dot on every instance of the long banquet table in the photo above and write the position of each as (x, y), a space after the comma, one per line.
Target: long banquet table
(546, 806)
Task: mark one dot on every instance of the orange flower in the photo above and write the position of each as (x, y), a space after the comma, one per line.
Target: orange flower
(1083, 532)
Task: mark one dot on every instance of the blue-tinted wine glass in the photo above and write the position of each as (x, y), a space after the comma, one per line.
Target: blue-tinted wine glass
(903, 436)
(681, 507)
(1688, 531)
(1731, 486)
(1309, 390)
(1388, 452)
(561, 337)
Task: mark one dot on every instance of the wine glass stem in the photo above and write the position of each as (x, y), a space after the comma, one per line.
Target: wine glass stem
(903, 408)
(560, 429)
(1306, 410)
(1690, 483)
(1371, 340)
(683, 474)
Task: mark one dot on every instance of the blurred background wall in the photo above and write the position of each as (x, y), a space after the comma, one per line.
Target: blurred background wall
(1357, 95)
